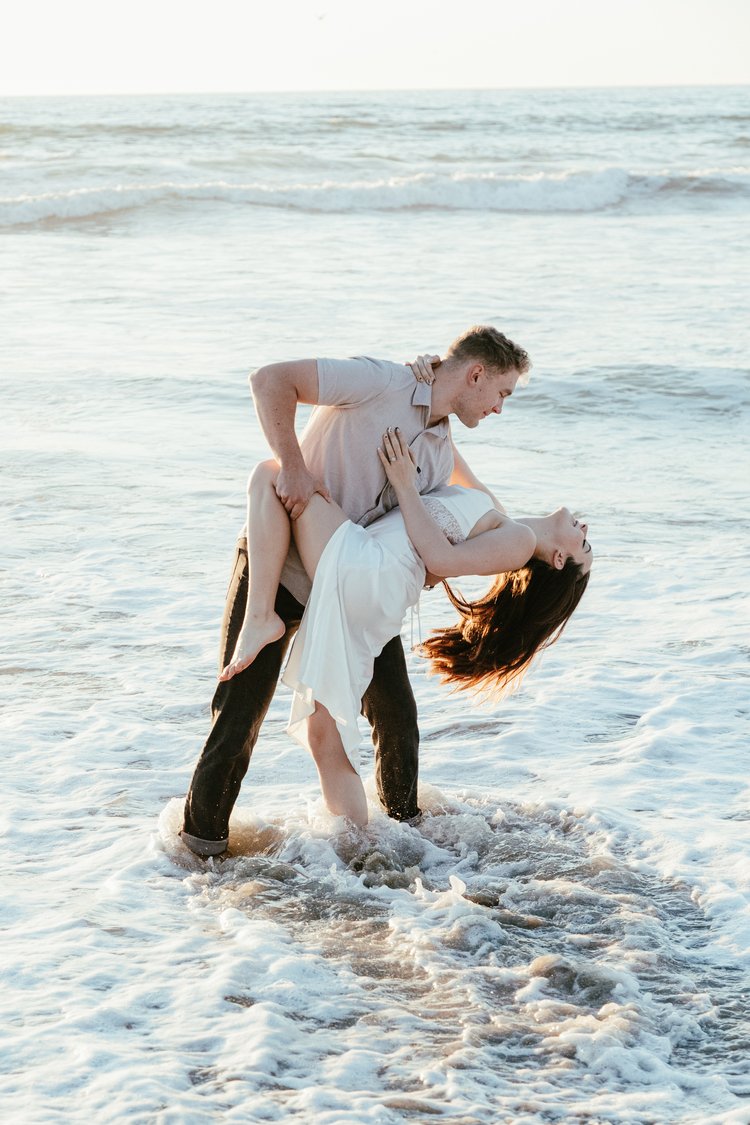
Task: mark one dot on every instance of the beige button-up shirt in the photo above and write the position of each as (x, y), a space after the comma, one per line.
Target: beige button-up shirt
(357, 400)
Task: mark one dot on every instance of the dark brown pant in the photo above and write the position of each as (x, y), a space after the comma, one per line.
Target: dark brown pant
(239, 706)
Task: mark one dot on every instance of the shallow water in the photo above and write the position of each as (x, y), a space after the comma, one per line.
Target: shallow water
(497, 958)
(566, 935)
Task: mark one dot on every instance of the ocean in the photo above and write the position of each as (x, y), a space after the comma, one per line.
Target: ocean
(566, 936)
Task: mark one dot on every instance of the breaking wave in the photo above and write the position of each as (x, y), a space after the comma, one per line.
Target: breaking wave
(608, 189)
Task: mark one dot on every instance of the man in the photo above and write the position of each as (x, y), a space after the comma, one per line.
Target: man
(356, 401)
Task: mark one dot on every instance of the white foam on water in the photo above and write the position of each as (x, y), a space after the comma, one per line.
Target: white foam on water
(443, 966)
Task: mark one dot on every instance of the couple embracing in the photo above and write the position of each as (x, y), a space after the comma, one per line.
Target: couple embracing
(344, 529)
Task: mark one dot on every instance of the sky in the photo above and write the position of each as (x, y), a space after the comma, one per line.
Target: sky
(181, 46)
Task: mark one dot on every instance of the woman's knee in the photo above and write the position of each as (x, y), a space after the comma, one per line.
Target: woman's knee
(264, 475)
(323, 738)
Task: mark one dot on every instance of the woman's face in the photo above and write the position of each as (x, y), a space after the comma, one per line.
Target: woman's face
(571, 536)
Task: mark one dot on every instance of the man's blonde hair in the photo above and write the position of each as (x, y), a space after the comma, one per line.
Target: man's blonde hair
(485, 344)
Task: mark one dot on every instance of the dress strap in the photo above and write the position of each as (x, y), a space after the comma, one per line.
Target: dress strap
(415, 609)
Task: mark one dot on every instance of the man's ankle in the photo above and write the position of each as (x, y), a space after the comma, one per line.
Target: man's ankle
(201, 847)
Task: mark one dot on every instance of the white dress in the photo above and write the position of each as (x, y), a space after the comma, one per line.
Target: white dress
(365, 581)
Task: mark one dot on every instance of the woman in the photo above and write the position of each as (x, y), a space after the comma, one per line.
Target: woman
(366, 578)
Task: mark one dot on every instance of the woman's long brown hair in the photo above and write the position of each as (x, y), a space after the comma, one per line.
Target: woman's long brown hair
(498, 636)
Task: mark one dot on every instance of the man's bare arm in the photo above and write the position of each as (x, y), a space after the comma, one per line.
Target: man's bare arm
(277, 388)
(464, 476)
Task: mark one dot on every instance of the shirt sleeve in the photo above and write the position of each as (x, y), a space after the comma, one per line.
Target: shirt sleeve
(349, 382)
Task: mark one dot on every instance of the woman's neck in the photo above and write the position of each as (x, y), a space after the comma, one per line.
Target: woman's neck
(544, 545)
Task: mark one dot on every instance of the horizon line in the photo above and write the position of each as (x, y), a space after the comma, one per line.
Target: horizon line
(387, 90)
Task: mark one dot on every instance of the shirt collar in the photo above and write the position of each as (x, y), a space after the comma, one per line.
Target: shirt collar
(422, 398)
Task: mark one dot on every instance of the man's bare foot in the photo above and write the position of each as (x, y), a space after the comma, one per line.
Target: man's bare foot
(256, 634)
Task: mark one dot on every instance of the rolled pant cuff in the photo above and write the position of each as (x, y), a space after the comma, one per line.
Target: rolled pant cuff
(204, 847)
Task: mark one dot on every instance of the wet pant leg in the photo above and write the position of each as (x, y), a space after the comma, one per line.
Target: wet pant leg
(390, 708)
(238, 708)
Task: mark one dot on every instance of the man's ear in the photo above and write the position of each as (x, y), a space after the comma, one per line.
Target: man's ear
(474, 373)
(558, 560)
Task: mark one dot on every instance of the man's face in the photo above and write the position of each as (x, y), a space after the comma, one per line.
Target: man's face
(485, 392)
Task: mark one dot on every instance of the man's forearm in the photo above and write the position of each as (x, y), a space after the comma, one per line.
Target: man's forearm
(276, 391)
(276, 406)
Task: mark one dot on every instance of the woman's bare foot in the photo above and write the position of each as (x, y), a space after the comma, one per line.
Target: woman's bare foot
(256, 633)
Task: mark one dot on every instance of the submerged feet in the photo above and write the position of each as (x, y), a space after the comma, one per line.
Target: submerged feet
(256, 633)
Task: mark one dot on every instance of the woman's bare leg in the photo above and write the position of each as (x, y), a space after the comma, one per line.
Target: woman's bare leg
(268, 536)
(268, 542)
(314, 528)
(342, 787)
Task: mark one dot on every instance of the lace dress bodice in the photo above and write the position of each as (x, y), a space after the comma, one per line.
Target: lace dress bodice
(445, 519)
(457, 510)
